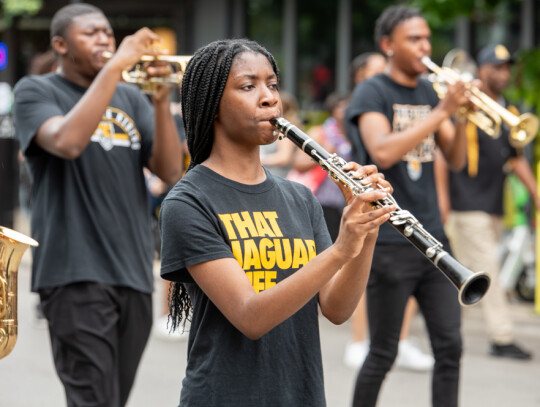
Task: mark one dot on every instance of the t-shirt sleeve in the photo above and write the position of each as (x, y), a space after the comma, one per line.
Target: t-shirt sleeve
(366, 98)
(189, 236)
(33, 104)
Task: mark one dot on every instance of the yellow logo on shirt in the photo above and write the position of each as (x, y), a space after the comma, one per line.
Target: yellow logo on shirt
(116, 129)
(259, 246)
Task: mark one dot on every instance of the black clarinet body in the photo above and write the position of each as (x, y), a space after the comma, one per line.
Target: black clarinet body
(471, 286)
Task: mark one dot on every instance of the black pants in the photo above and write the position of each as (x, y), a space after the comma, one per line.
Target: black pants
(399, 271)
(98, 334)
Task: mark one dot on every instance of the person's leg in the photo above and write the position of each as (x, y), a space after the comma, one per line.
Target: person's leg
(475, 245)
(438, 301)
(409, 355)
(387, 293)
(410, 311)
(135, 326)
(83, 326)
(356, 350)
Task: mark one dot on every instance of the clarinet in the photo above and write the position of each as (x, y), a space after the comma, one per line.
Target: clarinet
(471, 286)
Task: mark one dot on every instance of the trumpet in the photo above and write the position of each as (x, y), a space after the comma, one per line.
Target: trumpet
(471, 286)
(491, 115)
(138, 75)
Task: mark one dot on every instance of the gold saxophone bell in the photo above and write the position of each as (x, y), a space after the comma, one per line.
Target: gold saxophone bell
(138, 75)
(12, 246)
(457, 66)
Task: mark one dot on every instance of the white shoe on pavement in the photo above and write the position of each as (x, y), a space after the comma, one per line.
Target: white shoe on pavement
(162, 331)
(355, 354)
(411, 357)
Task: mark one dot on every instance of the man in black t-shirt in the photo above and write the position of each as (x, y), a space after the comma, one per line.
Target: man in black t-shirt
(400, 122)
(86, 138)
(475, 197)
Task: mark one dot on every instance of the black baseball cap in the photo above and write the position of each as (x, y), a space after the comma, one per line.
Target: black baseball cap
(494, 54)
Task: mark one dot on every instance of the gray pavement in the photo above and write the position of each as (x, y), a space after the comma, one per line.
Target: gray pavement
(28, 379)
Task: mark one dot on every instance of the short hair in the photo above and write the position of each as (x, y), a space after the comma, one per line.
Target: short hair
(202, 88)
(390, 18)
(63, 17)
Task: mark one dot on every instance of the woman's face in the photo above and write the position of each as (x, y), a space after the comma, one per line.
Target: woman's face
(250, 99)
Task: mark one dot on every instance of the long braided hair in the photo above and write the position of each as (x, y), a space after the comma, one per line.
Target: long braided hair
(202, 87)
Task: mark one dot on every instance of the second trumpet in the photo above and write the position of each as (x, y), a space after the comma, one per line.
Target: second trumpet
(523, 128)
(150, 84)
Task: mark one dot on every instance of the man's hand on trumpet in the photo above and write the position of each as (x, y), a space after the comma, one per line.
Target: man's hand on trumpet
(138, 47)
(457, 100)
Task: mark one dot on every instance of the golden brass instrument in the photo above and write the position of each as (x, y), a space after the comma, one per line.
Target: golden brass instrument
(150, 84)
(12, 246)
(489, 117)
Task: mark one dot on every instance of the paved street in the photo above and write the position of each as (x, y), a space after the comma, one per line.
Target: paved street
(27, 376)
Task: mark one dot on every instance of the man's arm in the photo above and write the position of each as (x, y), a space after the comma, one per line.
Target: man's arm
(67, 136)
(167, 159)
(386, 147)
(442, 183)
(452, 141)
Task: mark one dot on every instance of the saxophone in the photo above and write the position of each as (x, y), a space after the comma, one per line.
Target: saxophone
(12, 246)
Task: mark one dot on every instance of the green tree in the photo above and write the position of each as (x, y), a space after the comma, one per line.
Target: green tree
(15, 8)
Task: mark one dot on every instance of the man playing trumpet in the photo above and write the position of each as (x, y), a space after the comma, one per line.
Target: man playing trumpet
(400, 122)
(472, 200)
(87, 137)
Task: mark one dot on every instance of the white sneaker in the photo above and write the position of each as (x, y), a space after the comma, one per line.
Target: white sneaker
(161, 330)
(355, 354)
(411, 357)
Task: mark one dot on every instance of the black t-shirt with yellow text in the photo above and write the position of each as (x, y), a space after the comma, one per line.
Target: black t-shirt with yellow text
(272, 229)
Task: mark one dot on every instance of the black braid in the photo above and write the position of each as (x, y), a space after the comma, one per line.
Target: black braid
(202, 87)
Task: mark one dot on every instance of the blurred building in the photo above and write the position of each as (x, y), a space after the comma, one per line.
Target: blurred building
(308, 37)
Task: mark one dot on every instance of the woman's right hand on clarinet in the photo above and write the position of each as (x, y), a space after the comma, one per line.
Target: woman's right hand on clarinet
(360, 219)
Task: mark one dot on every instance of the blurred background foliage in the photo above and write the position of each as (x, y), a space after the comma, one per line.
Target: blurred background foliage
(15, 8)
(317, 33)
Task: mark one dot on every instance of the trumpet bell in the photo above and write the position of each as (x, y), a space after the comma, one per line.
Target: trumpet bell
(524, 131)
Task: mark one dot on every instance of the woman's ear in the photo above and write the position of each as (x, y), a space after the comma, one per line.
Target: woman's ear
(59, 45)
